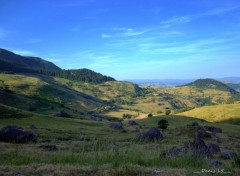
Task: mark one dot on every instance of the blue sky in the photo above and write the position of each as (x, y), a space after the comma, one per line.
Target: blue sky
(137, 39)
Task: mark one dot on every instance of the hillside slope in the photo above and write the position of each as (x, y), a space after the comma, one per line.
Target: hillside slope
(10, 61)
(215, 113)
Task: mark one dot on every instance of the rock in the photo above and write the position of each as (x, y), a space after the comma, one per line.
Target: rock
(237, 145)
(213, 148)
(202, 133)
(132, 122)
(228, 154)
(198, 146)
(175, 151)
(152, 134)
(213, 129)
(116, 125)
(33, 126)
(157, 171)
(49, 147)
(216, 163)
(136, 130)
(195, 124)
(16, 134)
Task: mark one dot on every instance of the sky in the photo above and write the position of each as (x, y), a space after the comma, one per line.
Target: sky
(128, 39)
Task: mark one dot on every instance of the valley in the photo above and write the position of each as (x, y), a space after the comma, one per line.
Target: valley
(88, 123)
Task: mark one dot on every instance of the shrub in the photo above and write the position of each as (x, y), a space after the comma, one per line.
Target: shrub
(150, 115)
(168, 111)
(163, 124)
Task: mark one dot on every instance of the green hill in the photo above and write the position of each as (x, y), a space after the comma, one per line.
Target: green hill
(10, 62)
(211, 84)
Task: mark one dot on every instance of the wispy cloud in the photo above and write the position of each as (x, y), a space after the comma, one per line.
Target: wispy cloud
(175, 20)
(123, 32)
(23, 52)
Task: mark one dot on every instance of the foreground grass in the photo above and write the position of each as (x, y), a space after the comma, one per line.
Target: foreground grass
(92, 148)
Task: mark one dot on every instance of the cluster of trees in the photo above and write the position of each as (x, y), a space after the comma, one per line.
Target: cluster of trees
(83, 75)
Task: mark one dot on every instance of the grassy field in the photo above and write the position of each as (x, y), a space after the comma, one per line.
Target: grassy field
(216, 113)
(92, 148)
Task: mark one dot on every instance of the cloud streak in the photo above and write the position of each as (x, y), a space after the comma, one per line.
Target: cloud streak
(123, 32)
(176, 20)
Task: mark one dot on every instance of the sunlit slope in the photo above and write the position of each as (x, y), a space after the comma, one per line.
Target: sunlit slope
(44, 95)
(215, 113)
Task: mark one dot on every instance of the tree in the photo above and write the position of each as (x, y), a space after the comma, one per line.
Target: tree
(168, 111)
(163, 124)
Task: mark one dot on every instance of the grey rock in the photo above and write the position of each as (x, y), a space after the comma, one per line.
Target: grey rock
(228, 154)
(116, 125)
(49, 147)
(213, 148)
(195, 124)
(16, 134)
(213, 129)
(152, 134)
(132, 122)
(216, 163)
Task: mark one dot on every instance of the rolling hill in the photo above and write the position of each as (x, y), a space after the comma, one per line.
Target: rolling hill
(216, 113)
(11, 62)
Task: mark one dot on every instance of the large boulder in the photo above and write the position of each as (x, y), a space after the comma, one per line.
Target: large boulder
(198, 146)
(116, 125)
(213, 148)
(152, 134)
(228, 154)
(132, 122)
(16, 134)
(203, 133)
(213, 129)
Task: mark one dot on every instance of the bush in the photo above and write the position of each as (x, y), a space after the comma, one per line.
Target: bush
(163, 124)
(150, 115)
(168, 111)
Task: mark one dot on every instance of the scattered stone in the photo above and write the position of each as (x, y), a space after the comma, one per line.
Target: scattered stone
(237, 145)
(198, 146)
(132, 122)
(16, 134)
(136, 130)
(33, 126)
(116, 125)
(152, 134)
(49, 147)
(175, 151)
(203, 134)
(213, 129)
(156, 171)
(213, 148)
(216, 163)
(219, 140)
(228, 154)
(195, 124)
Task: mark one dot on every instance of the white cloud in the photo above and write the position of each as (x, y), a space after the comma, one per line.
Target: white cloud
(123, 32)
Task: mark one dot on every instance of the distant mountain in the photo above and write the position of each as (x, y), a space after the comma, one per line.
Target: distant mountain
(230, 80)
(234, 86)
(12, 62)
(162, 82)
(211, 84)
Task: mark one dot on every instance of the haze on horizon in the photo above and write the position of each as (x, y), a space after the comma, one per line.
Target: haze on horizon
(137, 39)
